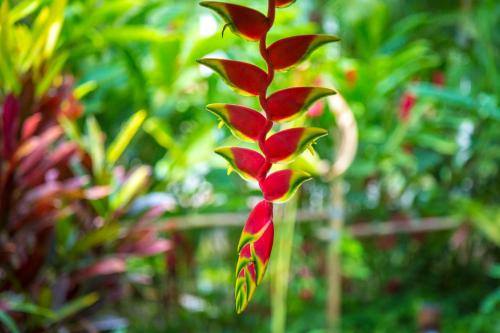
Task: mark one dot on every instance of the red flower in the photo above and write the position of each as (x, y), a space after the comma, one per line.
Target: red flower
(406, 105)
(351, 76)
(438, 78)
(257, 237)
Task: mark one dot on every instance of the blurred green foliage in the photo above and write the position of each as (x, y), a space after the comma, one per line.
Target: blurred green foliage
(422, 80)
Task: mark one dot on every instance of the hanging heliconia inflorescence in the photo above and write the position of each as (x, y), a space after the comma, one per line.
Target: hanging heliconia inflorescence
(247, 124)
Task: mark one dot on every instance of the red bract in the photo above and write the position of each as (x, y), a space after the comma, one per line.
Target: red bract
(244, 123)
(257, 237)
(284, 3)
(243, 21)
(246, 162)
(281, 185)
(284, 146)
(288, 52)
(245, 78)
(287, 104)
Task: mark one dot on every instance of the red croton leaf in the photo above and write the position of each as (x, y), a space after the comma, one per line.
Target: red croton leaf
(244, 123)
(254, 249)
(284, 3)
(287, 52)
(246, 78)
(284, 146)
(281, 185)
(106, 266)
(10, 123)
(286, 104)
(243, 21)
(246, 162)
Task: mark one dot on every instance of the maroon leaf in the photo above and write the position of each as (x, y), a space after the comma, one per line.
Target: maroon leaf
(10, 124)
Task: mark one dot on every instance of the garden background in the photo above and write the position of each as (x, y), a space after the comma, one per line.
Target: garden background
(116, 215)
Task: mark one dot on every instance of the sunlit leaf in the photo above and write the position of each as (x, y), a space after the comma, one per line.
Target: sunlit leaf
(126, 135)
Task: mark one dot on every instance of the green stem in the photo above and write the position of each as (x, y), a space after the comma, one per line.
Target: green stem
(285, 226)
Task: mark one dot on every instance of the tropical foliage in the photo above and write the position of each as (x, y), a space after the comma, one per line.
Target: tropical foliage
(116, 216)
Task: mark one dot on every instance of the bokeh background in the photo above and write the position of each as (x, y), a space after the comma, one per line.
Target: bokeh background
(153, 247)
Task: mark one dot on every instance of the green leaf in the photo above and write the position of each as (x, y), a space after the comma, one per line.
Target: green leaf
(126, 134)
(133, 185)
(23, 9)
(7, 67)
(56, 19)
(8, 322)
(127, 34)
(54, 69)
(95, 146)
(107, 233)
(75, 306)
(85, 89)
(33, 309)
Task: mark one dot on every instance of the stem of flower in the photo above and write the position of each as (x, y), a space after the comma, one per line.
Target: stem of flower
(271, 11)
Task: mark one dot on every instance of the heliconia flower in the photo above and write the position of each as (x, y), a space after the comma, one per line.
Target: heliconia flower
(256, 240)
(284, 146)
(254, 250)
(245, 123)
(246, 79)
(243, 21)
(246, 162)
(288, 52)
(287, 104)
(284, 3)
(281, 185)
